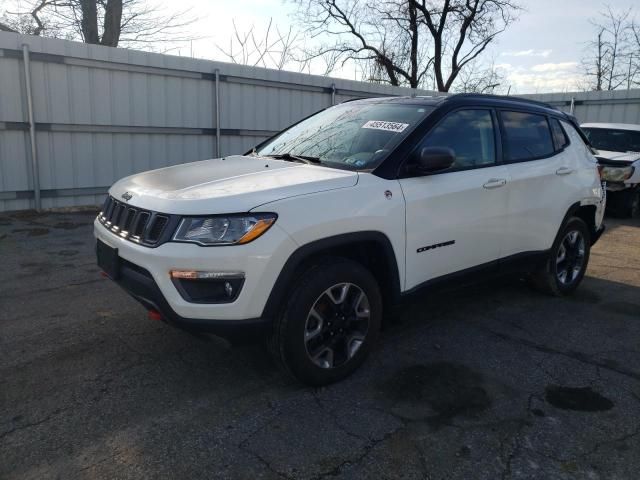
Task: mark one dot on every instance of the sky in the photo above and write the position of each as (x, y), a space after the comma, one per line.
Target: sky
(542, 51)
(539, 53)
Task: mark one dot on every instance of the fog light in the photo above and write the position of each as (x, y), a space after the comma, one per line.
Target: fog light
(203, 275)
(207, 287)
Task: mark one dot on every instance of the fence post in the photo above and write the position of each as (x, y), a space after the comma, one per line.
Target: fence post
(217, 72)
(35, 175)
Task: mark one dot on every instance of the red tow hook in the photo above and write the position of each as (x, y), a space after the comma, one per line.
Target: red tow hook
(154, 315)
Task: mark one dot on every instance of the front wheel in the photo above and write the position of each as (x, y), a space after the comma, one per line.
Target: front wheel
(567, 262)
(330, 323)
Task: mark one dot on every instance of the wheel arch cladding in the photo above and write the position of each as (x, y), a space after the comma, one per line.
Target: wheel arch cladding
(587, 213)
(372, 249)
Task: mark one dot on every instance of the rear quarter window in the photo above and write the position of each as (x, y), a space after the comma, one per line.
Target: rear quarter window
(577, 139)
(560, 138)
(526, 136)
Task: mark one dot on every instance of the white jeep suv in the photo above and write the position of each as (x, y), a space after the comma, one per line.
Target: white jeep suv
(305, 239)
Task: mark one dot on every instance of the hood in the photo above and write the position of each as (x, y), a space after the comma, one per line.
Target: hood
(226, 185)
(622, 157)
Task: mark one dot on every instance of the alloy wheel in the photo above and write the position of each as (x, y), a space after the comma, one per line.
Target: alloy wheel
(337, 325)
(570, 258)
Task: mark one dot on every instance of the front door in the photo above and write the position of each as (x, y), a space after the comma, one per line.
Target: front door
(455, 219)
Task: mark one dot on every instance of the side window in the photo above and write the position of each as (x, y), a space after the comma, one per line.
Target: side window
(469, 133)
(559, 137)
(526, 136)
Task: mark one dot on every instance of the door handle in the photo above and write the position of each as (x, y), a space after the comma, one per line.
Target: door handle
(564, 171)
(495, 183)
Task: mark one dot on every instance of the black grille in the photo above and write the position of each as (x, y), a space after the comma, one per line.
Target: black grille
(157, 227)
(141, 223)
(128, 220)
(137, 225)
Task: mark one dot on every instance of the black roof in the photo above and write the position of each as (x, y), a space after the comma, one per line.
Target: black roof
(465, 99)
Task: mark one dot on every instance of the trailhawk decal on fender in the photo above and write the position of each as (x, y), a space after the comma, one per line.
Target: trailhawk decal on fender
(436, 245)
(388, 126)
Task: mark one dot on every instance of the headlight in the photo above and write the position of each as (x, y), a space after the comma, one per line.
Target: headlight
(224, 230)
(616, 174)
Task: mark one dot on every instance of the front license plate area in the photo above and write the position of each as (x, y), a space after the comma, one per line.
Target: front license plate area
(108, 259)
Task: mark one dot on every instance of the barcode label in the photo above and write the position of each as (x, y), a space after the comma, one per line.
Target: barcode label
(388, 126)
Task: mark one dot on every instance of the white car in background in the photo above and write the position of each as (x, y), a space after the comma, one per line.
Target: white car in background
(618, 146)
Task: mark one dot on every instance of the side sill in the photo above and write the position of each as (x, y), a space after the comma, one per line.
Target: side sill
(524, 262)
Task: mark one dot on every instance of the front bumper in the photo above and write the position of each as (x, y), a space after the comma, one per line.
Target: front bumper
(139, 283)
(618, 187)
(261, 261)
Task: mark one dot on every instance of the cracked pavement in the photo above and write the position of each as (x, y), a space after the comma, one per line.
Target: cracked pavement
(490, 381)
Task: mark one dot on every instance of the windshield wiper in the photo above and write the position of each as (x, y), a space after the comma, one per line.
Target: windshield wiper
(295, 158)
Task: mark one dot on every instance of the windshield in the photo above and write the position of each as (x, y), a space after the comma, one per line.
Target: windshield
(356, 136)
(613, 140)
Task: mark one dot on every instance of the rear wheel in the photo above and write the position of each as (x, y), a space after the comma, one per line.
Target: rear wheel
(567, 262)
(330, 324)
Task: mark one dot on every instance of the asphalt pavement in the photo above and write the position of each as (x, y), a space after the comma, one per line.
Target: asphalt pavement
(486, 382)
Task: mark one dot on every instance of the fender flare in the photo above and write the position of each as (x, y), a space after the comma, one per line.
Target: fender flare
(287, 275)
(571, 212)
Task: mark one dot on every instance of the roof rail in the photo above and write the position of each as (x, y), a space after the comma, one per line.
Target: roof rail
(503, 97)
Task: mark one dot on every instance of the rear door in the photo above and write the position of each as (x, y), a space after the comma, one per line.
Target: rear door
(542, 169)
(455, 219)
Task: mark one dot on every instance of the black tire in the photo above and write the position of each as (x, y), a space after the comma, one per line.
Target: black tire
(292, 344)
(631, 203)
(624, 203)
(549, 277)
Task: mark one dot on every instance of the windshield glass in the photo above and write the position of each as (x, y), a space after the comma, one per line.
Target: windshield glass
(356, 136)
(613, 140)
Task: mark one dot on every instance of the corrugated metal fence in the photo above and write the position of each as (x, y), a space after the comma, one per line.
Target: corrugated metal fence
(104, 113)
(101, 113)
(619, 106)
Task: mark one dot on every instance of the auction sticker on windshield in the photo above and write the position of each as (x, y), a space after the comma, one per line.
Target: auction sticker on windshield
(388, 126)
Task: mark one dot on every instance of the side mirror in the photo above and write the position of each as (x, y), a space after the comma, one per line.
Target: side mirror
(433, 159)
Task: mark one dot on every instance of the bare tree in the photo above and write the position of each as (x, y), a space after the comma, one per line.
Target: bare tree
(272, 49)
(382, 37)
(462, 30)
(131, 23)
(634, 56)
(6, 26)
(29, 21)
(408, 42)
(596, 66)
(607, 64)
(480, 79)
